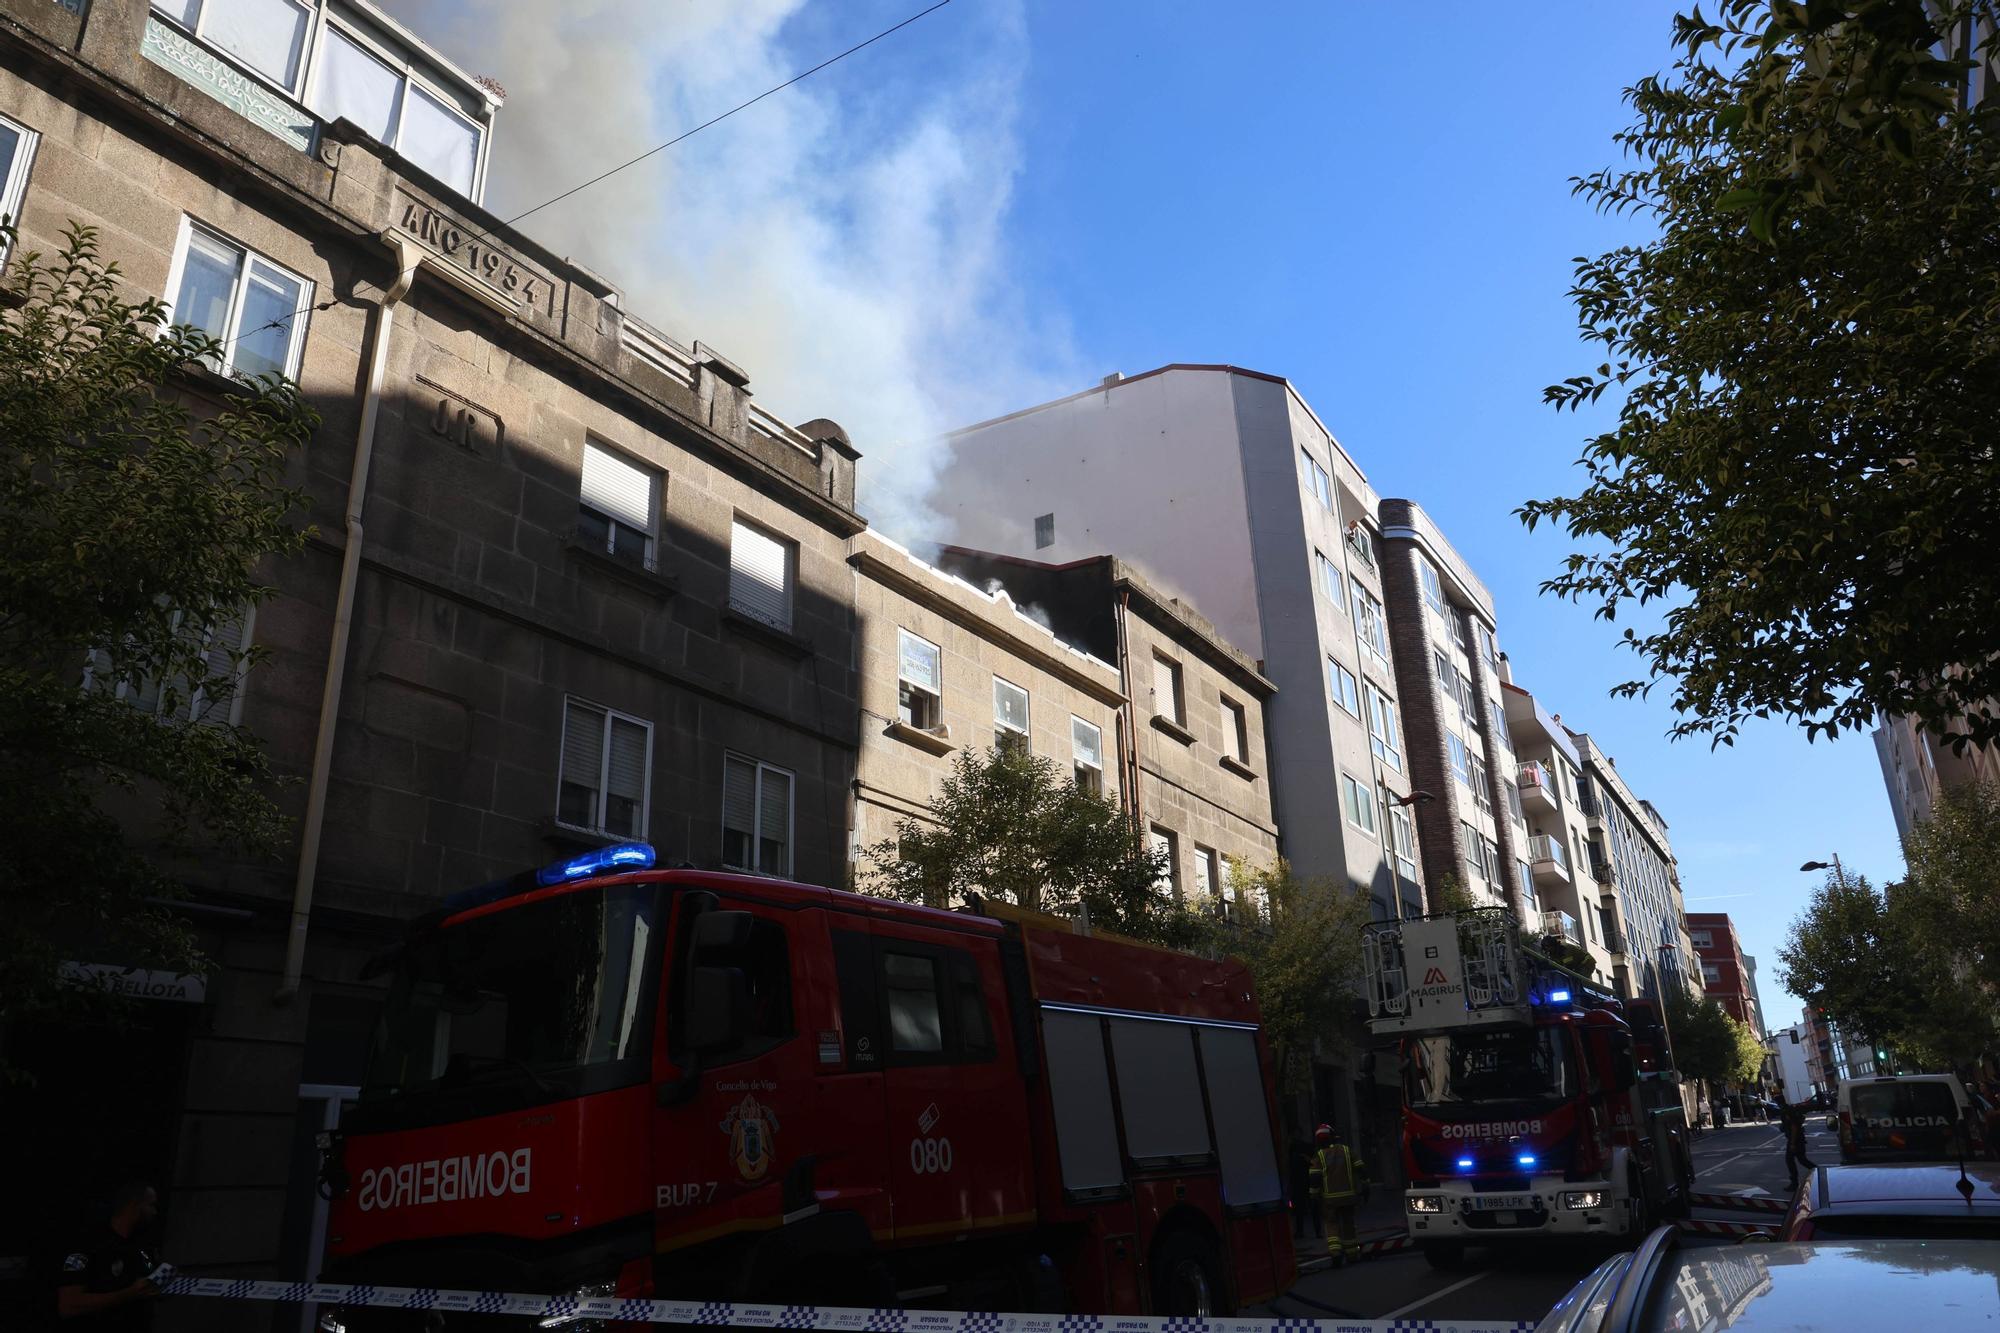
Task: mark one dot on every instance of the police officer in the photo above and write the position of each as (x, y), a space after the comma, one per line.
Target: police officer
(1339, 1177)
(104, 1283)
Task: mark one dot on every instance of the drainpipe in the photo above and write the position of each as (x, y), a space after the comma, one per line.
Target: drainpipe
(1128, 757)
(408, 257)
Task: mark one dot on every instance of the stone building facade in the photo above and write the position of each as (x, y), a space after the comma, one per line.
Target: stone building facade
(1633, 865)
(573, 583)
(1191, 743)
(947, 667)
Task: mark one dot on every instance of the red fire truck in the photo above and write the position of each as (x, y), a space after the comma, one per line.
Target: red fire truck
(1534, 1104)
(610, 1079)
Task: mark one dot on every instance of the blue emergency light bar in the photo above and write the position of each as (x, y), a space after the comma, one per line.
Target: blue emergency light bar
(1558, 997)
(617, 859)
(1465, 1163)
(1526, 1159)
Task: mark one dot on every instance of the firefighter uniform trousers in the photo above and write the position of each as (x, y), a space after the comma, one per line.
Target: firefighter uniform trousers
(1339, 1192)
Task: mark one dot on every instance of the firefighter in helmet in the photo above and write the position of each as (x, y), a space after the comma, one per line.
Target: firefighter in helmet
(1336, 1176)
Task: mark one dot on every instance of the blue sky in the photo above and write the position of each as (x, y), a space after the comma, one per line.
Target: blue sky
(1007, 201)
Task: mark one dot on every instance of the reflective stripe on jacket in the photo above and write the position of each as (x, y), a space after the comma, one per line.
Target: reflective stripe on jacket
(1336, 1172)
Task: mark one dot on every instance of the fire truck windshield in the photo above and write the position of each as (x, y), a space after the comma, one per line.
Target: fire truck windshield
(1483, 1067)
(546, 997)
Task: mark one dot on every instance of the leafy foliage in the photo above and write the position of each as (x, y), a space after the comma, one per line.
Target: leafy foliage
(1449, 894)
(1709, 1045)
(1010, 825)
(1301, 939)
(1952, 891)
(132, 515)
(1806, 361)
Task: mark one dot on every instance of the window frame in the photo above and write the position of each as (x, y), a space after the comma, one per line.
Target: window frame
(14, 186)
(1371, 622)
(1337, 675)
(122, 690)
(1168, 885)
(644, 823)
(1003, 730)
(1319, 482)
(1176, 689)
(790, 550)
(1206, 859)
(1385, 739)
(315, 15)
(655, 500)
(1077, 765)
(1403, 841)
(757, 814)
(957, 972)
(1433, 585)
(904, 712)
(1330, 580)
(233, 334)
(1458, 756)
(1356, 796)
(1235, 731)
(309, 94)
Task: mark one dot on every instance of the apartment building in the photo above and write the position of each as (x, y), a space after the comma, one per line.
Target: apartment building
(586, 590)
(1918, 768)
(1639, 892)
(1228, 490)
(1789, 1048)
(1725, 974)
(1441, 625)
(947, 666)
(1547, 781)
(1191, 746)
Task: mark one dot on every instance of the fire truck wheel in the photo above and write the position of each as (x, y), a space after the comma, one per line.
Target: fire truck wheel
(1444, 1254)
(1186, 1278)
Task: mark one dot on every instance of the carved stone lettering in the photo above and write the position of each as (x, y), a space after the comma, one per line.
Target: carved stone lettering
(508, 276)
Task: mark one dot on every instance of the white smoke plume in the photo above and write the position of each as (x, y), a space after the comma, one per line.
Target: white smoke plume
(844, 240)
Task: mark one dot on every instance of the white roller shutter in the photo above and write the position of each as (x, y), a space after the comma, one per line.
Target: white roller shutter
(615, 487)
(760, 575)
(583, 750)
(626, 778)
(774, 822)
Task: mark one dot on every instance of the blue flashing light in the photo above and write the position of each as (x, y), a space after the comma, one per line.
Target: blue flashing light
(1526, 1159)
(1558, 997)
(1465, 1163)
(613, 860)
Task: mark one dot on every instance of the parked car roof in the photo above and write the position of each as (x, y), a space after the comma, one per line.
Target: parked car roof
(1783, 1288)
(1918, 1199)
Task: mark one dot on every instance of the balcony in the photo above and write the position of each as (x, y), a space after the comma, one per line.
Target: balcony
(1563, 924)
(1600, 869)
(1538, 788)
(1546, 860)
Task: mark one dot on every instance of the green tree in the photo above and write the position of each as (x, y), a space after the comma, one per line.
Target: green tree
(1301, 939)
(138, 495)
(1953, 887)
(1709, 1045)
(1449, 894)
(1805, 361)
(1010, 825)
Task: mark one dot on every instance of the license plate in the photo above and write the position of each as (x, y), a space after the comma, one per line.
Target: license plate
(1502, 1203)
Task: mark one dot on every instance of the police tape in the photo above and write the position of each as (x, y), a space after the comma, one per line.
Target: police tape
(1749, 1203)
(1701, 1226)
(843, 1319)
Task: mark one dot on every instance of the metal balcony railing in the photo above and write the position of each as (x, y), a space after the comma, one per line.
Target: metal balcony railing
(1545, 848)
(1563, 924)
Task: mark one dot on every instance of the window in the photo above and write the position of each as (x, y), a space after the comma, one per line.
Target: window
(368, 86)
(1235, 731)
(1045, 531)
(1010, 715)
(919, 682)
(606, 769)
(1433, 586)
(222, 643)
(1499, 711)
(1345, 692)
(1167, 701)
(1702, 939)
(1165, 844)
(765, 962)
(1490, 852)
(1461, 761)
(1327, 575)
(1087, 742)
(1458, 629)
(756, 816)
(1482, 791)
(1382, 737)
(1403, 837)
(1711, 974)
(1358, 803)
(916, 1019)
(1207, 876)
(1525, 874)
(17, 154)
(256, 310)
(760, 575)
(1361, 543)
(1514, 801)
(1489, 648)
(1368, 620)
(265, 36)
(616, 510)
(1316, 480)
(1475, 867)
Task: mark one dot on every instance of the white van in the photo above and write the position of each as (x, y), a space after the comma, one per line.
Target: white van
(1906, 1117)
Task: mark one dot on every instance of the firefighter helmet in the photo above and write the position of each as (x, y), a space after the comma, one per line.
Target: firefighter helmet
(1324, 1133)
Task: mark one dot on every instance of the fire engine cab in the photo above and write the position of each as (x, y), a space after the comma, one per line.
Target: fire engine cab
(609, 1079)
(1534, 1104)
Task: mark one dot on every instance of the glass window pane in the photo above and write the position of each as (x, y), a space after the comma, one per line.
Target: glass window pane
(439, 140)
(1089, 742)
(208, 278)
(354, 84)
(914, 1021)
(582, 765)
(10, 145)
(1010, 705)
(271, 302)
(774, 822)
(267, 35)
(918, 662)
(182, 12)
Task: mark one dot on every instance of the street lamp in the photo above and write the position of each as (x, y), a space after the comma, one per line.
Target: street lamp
(1839, 875)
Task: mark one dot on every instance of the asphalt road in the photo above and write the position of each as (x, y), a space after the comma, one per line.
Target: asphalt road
(1522, 1283)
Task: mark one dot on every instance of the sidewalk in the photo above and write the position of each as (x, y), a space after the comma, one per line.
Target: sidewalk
(1380, 1217)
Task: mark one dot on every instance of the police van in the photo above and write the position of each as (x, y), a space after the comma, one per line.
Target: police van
(1906, 1117)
